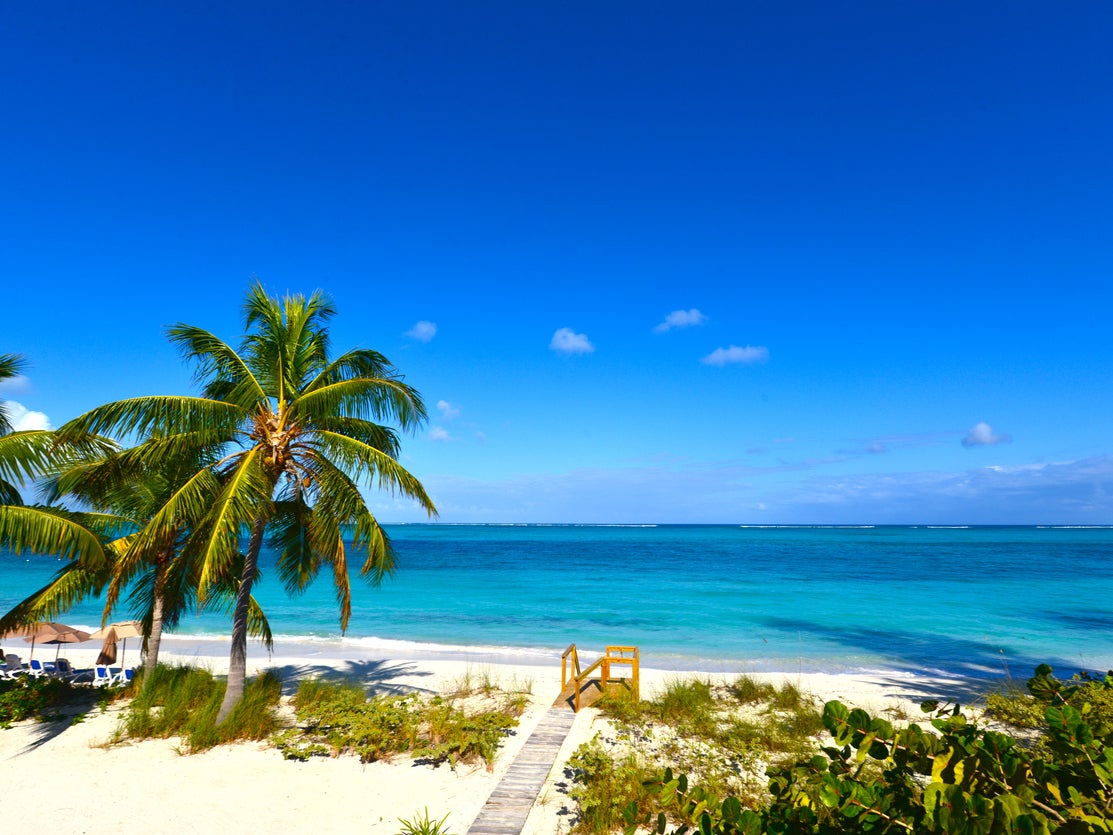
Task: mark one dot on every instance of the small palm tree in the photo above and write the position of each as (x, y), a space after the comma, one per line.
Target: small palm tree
(119, 540)
(293, 432)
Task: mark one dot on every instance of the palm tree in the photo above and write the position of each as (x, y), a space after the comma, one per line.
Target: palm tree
(294, 432)
(121, 540)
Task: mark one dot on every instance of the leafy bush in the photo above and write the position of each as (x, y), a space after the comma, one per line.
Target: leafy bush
(27, 697)
(607, 788)
(340, 719)
(958, 778)
(1012, 707)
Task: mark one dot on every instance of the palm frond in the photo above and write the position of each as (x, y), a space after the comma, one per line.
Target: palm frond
(378, 399)
(340, 505)
(11, 365)
(289, 535)
(24, 456)
(159, 416)
(72, 584)
(364, 461)
(257, 624)
(217, 363)
(361, 362)
(244, 497)
(50, 531)
(380, 562)
(182, 509)
(9, 494)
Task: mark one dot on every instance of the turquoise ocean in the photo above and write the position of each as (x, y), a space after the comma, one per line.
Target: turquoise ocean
(982, 601)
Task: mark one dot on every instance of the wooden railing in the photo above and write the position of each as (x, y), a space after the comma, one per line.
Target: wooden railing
(570, 672)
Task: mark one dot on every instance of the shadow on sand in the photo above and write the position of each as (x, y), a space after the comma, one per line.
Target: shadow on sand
(966, 669)
(376, 677)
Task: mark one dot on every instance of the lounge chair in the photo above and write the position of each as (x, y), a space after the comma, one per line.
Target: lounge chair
(102, 676)
(15, 666)
(124, 676)
(65, 671)
(39, 669)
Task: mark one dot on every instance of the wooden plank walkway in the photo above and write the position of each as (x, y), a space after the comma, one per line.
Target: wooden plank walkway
(508, 806)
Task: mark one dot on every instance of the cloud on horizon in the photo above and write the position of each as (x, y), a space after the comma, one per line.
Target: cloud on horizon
(735, 355)
(423, 331)
(23, 419)
(1056, 493)
(981, 434)
(680, 319)
(567, 341)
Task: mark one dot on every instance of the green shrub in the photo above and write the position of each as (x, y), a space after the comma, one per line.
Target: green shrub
(27, 697)
(606, 788)
(957, 779)
(1014, 708)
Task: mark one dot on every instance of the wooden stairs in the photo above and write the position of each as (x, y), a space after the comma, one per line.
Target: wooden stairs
(509, 805)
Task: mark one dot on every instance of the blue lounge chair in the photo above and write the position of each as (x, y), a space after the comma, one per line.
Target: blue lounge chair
(102, 676)
(39, 669)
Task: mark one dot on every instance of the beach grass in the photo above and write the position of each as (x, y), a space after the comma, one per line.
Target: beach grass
(182, 701)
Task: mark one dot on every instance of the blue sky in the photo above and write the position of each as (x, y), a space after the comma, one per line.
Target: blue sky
(701, 262)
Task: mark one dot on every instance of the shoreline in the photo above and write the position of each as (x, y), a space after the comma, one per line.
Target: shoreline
(428, 667)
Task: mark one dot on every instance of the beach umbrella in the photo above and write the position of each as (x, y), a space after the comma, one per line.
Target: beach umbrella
(73, 636)
(50, 632)
(114, 632)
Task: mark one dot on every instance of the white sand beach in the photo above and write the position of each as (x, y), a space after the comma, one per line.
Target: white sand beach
(62, 778)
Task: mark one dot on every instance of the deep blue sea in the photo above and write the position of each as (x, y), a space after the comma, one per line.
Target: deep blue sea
(978, 600)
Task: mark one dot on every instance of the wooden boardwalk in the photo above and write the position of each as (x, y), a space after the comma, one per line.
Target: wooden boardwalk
(509, 805)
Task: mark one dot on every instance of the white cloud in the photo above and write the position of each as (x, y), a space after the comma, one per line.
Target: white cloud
(733, 355)
(567, 341)
(23, 419)
(681, 319)
(447, 410)
(439, 433)
(423, 331)
(981, 434)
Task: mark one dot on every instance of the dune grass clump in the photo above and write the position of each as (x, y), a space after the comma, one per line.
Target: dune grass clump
(184, 701)
(748, 690)
(423, 824)
(339, 718)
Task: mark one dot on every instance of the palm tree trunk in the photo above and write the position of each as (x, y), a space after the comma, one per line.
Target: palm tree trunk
(154, 640)
(237, 661)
